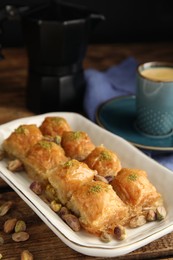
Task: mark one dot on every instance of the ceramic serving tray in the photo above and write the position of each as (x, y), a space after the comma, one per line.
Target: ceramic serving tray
(130, 156)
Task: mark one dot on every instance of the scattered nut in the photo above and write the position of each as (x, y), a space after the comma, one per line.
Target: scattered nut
(26, 255)
(63, 211)
(55, 206)
(105, 237)
(36, 187)
(4, 208)
(1, 256)
(57, 139)
(109, 178)
(50, 192)
(151, 215)
(15, 165)
(9, 225)
(137, 221)
(72, 221)
(160, 213)
(98, 177)
(120, 232)
(20, 226)
(20, 236)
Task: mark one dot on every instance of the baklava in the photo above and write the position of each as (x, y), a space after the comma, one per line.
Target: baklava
(104, 161)
(53, 126)
(21, 140)
(135, 189)
(68, 177)
(77, 144)
(98, 207)
(43, 157)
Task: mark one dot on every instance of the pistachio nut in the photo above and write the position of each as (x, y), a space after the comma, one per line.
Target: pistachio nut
(20, 236)
(36, 187)
(105, 237)
(4, 208)
(26, 255)
(160, 213)
(55, 206)
(9, 225)
(151, 215)
(20, 226)
(137, 221)
(120, 232)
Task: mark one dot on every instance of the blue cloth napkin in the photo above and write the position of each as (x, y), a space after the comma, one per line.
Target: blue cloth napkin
(101, 86)
(116, 81)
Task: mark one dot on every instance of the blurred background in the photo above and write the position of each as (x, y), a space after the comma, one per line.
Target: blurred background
(125, 20)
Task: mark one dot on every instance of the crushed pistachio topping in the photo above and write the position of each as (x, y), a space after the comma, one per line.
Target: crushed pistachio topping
(105, 155)
(76, 135)
(45, 144)
(95, 189)
(57, 119)
(132, 177)
(68, 164)
(21, 130)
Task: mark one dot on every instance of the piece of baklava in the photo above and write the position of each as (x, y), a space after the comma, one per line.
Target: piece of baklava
(104, 161)
(98, 207)
(135, 189)
(43, 157)
(53, 126)
(21, 140)
(68, 177)
(77, 144)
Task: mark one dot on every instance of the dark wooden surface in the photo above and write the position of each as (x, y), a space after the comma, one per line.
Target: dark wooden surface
(43, 243)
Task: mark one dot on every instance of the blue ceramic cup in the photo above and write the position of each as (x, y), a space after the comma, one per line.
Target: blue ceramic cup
(154, 99)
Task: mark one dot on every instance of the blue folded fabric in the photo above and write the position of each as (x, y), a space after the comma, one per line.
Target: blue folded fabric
(101, 86)
(117, 81)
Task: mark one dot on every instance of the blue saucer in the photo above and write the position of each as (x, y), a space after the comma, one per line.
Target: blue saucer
(118, 116)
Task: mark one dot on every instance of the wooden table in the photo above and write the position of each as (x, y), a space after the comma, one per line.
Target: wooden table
(13, 74)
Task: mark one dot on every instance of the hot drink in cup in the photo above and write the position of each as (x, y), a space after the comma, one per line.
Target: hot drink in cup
(154, 99)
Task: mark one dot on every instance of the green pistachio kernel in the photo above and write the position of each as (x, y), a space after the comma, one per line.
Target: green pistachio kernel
(132, 177)
(21, 130)
(45, 144)
(105, 155)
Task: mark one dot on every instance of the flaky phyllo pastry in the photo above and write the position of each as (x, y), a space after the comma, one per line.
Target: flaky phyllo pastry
(98, 207)
(43, 157)
(21, 140)
(53, 126)
(85, 184)
(135, 190)
(77, 144)
(68, 177)
(104, 161)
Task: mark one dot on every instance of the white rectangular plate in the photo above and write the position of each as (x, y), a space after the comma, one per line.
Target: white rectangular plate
(130, 156)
